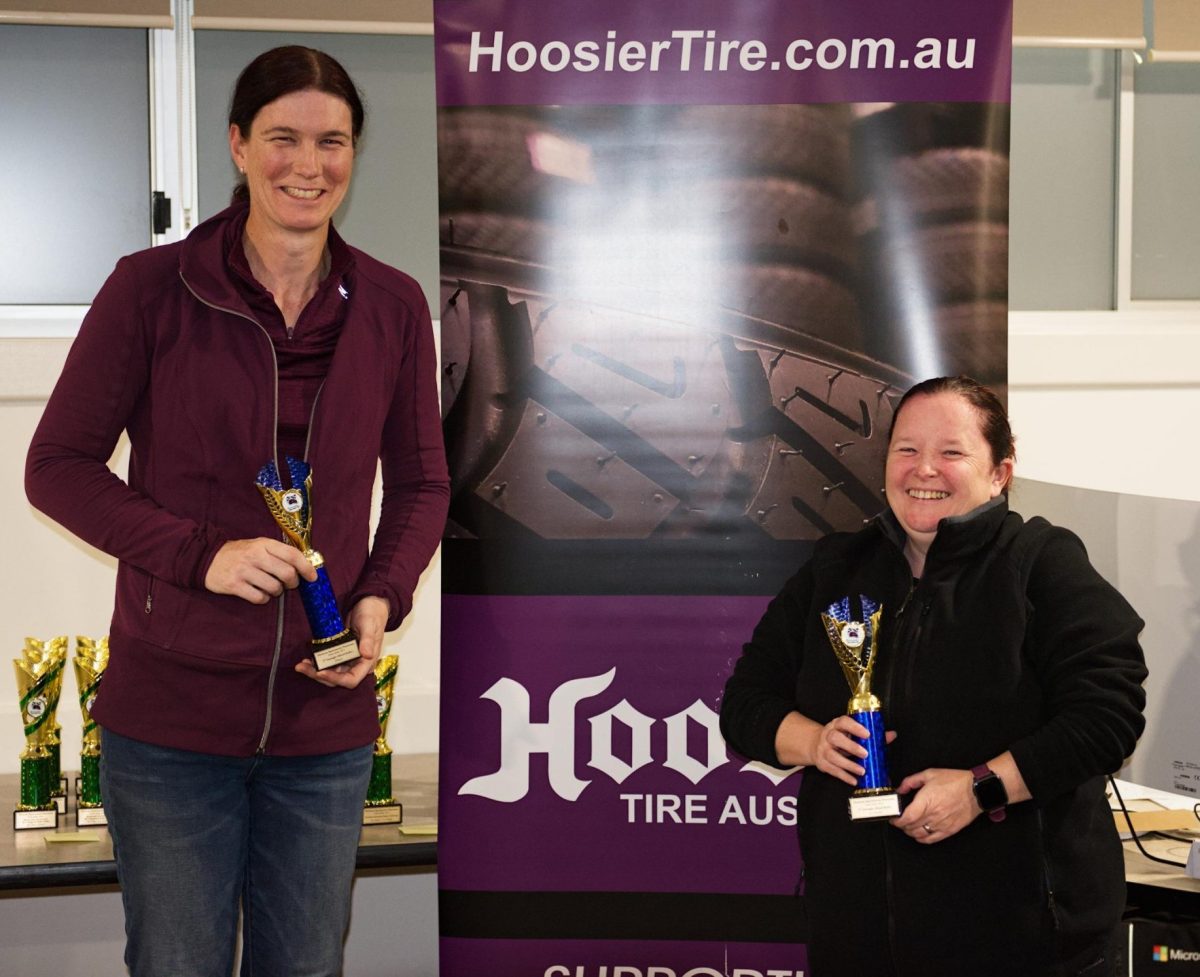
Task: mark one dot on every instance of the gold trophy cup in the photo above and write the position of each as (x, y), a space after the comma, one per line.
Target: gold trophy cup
(856, 643)
(291, 508)
(91, 658)
(56, 651)
(39, 674)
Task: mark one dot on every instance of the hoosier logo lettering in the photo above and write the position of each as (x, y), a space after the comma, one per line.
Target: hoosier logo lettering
(520, 738)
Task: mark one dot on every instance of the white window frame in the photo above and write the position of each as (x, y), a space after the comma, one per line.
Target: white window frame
(1139, 342)
(173, 121)
(172, 152)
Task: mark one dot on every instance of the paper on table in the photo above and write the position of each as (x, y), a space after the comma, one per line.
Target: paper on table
(1152, 810)
(1162, 798)
(418, 829)
(71, 837)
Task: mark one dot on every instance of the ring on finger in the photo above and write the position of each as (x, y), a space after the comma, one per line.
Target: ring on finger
(928, 829)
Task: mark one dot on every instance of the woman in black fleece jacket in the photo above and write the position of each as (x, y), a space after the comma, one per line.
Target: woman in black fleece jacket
(1010, 677)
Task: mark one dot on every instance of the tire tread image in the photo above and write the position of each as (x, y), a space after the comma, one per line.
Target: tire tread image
(603, 423)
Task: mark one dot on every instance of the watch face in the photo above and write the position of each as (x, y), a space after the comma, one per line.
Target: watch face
(990, 792)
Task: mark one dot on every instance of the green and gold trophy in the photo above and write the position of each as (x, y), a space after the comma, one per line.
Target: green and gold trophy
(56, 650)
(39, 685)
(381, 807)
(90, 660)
(855, 643)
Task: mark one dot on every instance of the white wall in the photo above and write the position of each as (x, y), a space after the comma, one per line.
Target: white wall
(1108, 400)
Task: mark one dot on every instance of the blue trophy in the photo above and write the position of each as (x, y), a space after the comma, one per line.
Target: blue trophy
(333, 643)
(855, 644)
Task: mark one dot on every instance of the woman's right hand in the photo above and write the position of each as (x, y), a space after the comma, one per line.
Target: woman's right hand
(257, 569)
(830, 748)
(837, 753)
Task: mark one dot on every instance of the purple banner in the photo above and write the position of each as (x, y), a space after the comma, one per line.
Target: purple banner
(646, 958)
(580, 750)
(691, 256)
(713, 52)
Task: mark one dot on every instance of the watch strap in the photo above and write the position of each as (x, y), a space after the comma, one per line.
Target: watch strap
(982, 774)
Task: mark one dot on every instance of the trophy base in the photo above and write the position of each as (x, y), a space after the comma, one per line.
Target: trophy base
(383, 813)
(326, 656)
(90, 817)
(38, 819)
(876, 806)
(60, 801)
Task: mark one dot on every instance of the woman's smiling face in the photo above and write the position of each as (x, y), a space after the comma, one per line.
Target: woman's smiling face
(297, 157)
(939, 464)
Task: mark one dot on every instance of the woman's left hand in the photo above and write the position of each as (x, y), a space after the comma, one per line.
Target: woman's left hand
(367, 619)
(944, 804)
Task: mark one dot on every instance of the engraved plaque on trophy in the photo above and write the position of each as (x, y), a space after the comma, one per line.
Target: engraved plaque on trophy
(381, 807)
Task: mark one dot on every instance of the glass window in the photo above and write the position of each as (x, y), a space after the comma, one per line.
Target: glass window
(76, 190)
(1062, 201)
(1166, 181)
(391, 211)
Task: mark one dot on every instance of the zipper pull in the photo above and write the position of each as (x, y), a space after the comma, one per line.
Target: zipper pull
(149, 602)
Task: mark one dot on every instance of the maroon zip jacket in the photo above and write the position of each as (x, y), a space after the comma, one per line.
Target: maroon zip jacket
(171, 353)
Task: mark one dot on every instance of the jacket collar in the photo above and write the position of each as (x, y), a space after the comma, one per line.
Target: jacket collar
(205, 265)
(957, 536)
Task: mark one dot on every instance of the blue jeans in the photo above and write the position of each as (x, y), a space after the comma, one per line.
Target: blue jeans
(196, 836)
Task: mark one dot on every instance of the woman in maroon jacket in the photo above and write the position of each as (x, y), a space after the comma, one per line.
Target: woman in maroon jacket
(233, 771)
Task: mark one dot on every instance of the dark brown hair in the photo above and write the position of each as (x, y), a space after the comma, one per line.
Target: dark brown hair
(993, 419)
(282, 71)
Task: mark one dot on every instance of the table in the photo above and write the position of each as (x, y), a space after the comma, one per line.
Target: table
(1154, 887)
(27, 861)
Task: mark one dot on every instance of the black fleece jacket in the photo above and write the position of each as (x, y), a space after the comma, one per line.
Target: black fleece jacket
(1009, 641)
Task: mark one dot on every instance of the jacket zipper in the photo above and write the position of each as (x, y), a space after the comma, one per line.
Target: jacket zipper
(312, 416)
(262, 742)
(913, 644)
(905, 609)
(887, 854)
(1051, 903)
(899, 619)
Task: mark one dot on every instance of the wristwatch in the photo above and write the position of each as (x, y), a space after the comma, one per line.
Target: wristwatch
(989, 792)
